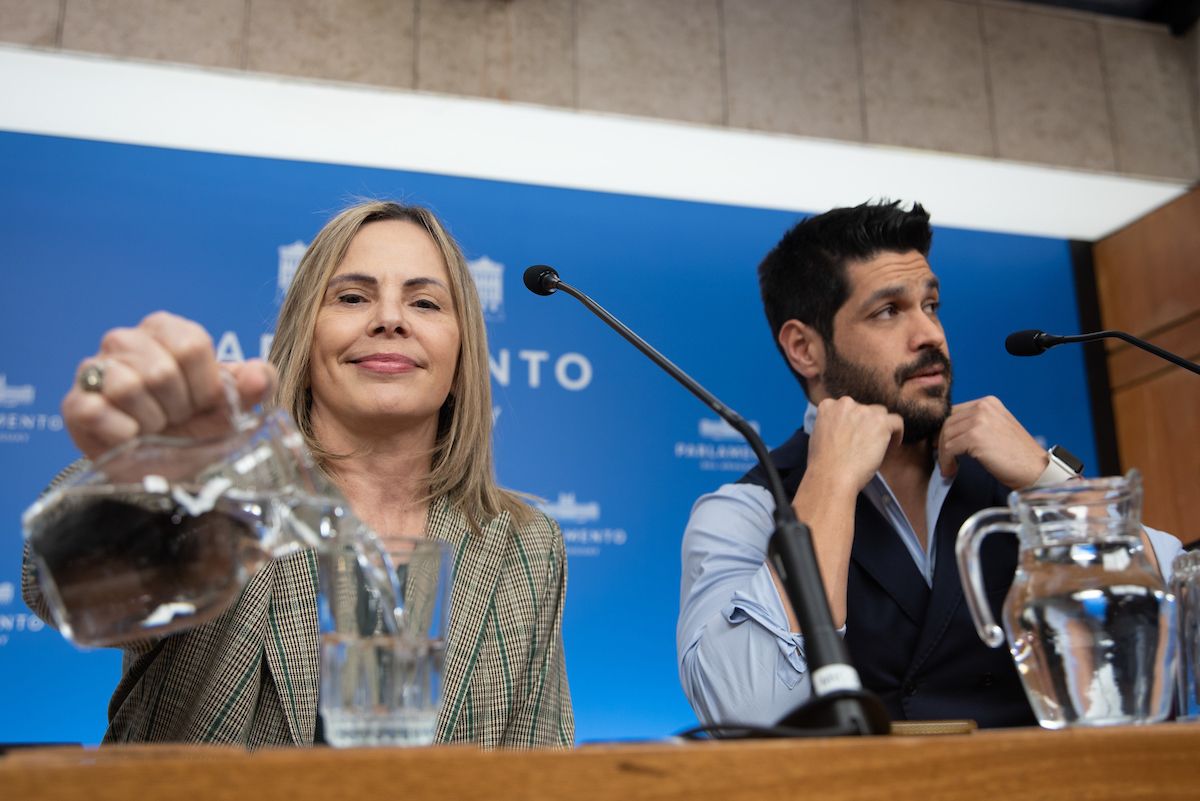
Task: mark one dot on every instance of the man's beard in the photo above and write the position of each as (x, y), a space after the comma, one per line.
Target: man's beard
(921, 421)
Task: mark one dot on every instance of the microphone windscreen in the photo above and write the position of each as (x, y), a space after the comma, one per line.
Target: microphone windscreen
(1025, 343)
(536, 279)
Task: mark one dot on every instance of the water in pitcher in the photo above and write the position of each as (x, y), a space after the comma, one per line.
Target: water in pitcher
(118, 561)
(1086, 643)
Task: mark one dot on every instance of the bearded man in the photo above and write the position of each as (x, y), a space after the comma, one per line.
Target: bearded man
(884, 471)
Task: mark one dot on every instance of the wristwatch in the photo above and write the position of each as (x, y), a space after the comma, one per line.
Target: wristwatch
(1063, 466)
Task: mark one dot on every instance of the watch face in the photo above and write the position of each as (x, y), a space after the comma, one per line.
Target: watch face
(1069, 459)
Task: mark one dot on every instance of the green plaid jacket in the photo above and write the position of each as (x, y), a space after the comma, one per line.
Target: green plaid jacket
(251, 675)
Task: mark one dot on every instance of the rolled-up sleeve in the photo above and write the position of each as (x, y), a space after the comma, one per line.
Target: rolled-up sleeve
(739, 662)
(1166, 548)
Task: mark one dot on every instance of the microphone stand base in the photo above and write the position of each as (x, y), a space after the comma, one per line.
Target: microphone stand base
(845, 713)
(841, 713)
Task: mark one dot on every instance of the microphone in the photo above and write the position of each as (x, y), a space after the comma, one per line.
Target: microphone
(839, 704)
(1032, 342)
(541, 280)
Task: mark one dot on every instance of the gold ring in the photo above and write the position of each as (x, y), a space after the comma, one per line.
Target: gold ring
(91, 378)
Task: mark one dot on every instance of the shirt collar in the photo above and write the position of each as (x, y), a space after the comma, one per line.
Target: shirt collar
(880, 495)
(810, 418)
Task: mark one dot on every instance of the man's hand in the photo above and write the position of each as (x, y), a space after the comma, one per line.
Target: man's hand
(848, 444)
(987, 431)
(849, 440)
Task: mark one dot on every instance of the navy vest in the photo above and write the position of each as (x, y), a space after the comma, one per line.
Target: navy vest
(916, 647)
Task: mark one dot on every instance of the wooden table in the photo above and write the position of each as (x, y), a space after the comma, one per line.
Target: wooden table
(1154, 762)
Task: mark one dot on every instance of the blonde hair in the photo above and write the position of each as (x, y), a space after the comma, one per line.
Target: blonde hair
(462, 466)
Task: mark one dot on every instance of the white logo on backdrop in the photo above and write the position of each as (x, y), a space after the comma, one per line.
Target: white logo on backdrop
(722, 450)
(22, 395)
(719, 430)
(571, 371)
(567, 509)
(17, 427)
(21, 621)
(489, 284)
(580, 539)
(289, 261)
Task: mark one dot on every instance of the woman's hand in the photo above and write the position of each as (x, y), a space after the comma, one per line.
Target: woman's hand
(161, 377)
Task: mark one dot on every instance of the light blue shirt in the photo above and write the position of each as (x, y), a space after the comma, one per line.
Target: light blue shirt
(738, 660)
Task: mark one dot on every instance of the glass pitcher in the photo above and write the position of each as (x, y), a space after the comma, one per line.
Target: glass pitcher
(160, 534)
(1090, 622)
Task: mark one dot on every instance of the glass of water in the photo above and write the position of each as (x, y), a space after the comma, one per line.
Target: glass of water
(1185, 584)
(383, 641)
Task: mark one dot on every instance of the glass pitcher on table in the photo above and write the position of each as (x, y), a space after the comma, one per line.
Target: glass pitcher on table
(160, 535)
(1090, 622)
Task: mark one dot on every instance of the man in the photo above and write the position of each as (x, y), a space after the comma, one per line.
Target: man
(884, 471)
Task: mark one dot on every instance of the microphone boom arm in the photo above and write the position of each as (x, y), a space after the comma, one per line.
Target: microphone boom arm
(1131, 339)
(839, 704)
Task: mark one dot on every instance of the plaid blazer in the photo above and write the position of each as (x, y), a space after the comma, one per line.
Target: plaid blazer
(251, 675)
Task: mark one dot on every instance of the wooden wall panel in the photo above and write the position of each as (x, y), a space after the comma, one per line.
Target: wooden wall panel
(1148, 273)
(1158, 432)
(1148, 283)
(1127, 365)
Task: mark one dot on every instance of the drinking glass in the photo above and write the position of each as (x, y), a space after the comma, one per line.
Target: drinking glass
(383, 642)
(1185, 585)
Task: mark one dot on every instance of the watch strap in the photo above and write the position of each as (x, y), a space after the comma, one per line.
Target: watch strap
(1061, 466)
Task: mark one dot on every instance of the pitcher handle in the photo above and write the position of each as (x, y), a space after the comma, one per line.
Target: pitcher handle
(966, 549)
(239, 419)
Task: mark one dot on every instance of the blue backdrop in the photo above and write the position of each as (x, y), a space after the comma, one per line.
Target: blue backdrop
(95, 235)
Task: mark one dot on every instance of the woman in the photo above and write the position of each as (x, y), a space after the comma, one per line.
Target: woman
(380, 355)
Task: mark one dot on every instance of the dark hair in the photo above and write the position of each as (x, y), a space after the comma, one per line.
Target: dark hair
(804, 276)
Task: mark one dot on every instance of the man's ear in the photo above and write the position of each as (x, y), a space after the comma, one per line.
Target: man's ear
(804, 349)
